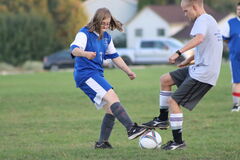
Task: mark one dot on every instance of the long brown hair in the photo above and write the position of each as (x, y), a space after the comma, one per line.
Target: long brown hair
(100, 15)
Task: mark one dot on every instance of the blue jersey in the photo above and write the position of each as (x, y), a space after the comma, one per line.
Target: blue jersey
(233, 37)
(88, 41)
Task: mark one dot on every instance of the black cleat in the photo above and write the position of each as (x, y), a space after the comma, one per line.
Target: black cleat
(135, 131)
(103, 145)
(156, 123)
(235, 108)
(170, 145)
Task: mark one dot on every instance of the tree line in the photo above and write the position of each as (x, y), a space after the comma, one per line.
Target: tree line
(31, 29)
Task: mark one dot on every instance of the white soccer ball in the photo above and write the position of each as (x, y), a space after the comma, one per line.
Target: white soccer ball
(150, 140)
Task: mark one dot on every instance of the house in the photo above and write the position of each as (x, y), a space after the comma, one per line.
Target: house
(168, 20)
(155, 21)
(221, 18)
(123, 10)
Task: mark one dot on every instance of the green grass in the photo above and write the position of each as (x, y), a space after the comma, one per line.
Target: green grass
(44, 117)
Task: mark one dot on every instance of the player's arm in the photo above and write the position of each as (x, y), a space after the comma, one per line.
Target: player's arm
(186, 62)
(77, 52)
(78, 47)
(123, 66)
(190, 45)
(111, 53)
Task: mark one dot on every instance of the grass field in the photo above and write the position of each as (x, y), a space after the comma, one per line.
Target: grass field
(44, 117)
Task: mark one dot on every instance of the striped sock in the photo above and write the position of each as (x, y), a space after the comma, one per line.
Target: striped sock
(163, 101)
(176, 122)
(236, 98)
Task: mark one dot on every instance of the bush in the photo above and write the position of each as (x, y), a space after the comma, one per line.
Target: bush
(25, 37)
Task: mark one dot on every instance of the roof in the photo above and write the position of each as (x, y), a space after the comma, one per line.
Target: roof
(184, 33)
(171, 13)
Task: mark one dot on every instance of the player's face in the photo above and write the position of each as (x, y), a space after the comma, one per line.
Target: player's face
(238, 11)
(189, 11)
(105, 24)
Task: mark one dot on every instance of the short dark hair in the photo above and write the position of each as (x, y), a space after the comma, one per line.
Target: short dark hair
(238, 4)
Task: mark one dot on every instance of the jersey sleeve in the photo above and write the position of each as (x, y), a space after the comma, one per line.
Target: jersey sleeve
(111, 51)
(226, 31)
(80, 41)
(200, 27)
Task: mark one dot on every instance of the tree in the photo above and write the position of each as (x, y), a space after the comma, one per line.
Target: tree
(24, 37)
(53, 25)
(68, 17)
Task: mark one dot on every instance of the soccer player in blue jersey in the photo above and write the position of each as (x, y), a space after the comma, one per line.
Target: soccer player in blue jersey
(91, 46)
(231, 35)
(193, 81)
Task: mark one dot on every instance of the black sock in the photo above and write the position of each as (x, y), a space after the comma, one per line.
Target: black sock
(163, 114)
(120, 113)
(177, 136)
(106, 128)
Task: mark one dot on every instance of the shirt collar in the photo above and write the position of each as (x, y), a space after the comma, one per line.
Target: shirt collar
(96, 33)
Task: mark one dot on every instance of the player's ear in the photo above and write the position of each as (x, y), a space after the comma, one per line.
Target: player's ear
(194, 7)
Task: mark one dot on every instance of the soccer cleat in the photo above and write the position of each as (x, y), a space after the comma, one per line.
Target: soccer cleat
(235, 108)
(170, 145)
(156, 123)
(135, 131)
(103, 145)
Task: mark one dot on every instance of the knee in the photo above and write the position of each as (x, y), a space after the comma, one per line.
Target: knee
(164, 79)
(170, 101)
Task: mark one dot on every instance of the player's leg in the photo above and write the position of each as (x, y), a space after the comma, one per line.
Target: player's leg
(176, 121)
(166, 82)
(187, 95)
(106, 129)
(235, 70)
(95, 88)
(117, 109)
(161, 121)
(236, 97)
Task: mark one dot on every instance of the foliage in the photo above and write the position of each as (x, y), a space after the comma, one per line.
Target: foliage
(24, 37)
(68, 17)
(59, 20)
(223, 5)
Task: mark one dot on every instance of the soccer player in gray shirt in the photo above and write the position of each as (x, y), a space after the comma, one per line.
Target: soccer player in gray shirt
(193, 81)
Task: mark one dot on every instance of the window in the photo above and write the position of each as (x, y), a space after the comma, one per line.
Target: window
(161, 32)
(154, 44)
(147, 44)
(161, 45)
(138, 32)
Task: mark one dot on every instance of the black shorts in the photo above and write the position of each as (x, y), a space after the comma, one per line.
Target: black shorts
(190, 91)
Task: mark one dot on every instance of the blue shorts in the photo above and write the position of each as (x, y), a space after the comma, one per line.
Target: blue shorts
(95, 87)
(235, 70)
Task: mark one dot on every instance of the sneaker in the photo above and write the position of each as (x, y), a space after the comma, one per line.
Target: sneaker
(170, 145)
(135, 131)
(103, 145)
(235, 108)
(156, 123)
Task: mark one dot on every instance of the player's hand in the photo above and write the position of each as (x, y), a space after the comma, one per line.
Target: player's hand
(173, 58)
(131, 75)
(90, 55)
(183, 63)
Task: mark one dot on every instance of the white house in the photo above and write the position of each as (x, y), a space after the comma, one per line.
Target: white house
(123, 10)
(221, 18)
(154, 22)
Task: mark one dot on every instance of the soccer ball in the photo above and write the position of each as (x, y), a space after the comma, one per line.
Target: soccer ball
(150, 140)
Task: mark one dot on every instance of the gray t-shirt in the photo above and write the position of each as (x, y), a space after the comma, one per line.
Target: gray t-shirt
(208, 55)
